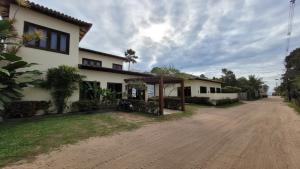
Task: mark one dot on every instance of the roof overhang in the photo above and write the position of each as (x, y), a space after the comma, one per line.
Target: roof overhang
(103, 54)
(103, 69)
(207, 80)
(157, 79)
(84, 26)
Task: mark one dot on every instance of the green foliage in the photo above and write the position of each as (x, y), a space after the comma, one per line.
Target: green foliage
(92, 91)
(228, 78)
(198, 100)
(92, 105)
(14, 72)
(20, 109)
(169, 102)
(231, 89)
(141, 106)
(130, 57)
(223, 102)
(62, 82)
(28, 138)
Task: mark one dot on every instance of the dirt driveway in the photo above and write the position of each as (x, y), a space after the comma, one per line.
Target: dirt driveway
(263, 134)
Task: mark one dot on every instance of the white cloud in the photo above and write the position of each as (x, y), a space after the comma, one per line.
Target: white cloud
(197, 36)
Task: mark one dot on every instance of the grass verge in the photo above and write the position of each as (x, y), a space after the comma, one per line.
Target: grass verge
(294, 106)
(26, 138)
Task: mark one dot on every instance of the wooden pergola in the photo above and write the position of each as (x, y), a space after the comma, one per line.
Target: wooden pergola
(161, 80)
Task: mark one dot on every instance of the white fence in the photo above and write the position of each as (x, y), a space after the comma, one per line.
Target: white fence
(219, 96)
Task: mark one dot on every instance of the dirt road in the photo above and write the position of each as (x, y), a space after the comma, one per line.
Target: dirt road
(262, 134)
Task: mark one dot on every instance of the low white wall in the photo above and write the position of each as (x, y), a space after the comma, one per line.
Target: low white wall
(219, 96)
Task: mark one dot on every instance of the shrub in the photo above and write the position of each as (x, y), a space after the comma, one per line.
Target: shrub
(92, 105)
(62, 81)
(198, 100)
(231, 89)
(20, 109)
(150, 107)
(169, 102)
(222, 102)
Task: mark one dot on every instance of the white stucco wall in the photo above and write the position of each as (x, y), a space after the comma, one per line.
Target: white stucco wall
(106, 60)
(45, 59)
(171, 90)
(106, 77)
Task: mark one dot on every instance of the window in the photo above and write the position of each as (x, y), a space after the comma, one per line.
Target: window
(51, 40)
(117, 66)
(116, 88)
(218, 90)
(212, 90)
(91, 62)
(187, 91)
(203, 89)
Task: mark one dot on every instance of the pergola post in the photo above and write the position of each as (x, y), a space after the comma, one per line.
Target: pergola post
(161, 96)
(182, 95)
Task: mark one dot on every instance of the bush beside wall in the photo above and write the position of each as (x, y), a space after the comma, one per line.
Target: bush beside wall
(198, 100)
(231, 89)
(21, 109)
(92, 105)
(173, 103)
(150, 107)
(222, 102)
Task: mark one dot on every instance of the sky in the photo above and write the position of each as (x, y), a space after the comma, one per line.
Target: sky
(195, 36)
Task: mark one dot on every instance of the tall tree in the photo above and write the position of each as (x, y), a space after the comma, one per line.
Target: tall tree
(203, 76)
(228, 78)
(130, 57)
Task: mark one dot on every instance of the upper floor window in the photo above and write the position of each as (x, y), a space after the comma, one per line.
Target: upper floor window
(117, 66)
(51, 40)
(212, 90)
(91, 62)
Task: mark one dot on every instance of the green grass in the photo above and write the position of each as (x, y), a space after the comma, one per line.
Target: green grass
(31, 137)
(26, 138)
(294, 106)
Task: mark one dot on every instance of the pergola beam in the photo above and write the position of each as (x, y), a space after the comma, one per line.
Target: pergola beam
(161, 96)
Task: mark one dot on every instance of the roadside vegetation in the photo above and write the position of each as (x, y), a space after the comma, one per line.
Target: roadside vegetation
(25, 138)
(290, 86)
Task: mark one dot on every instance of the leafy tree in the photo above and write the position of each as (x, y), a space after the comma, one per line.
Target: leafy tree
(14, 72)
(243, 84)
(130, 57)
(203, 76)
(62, 82)
(292, 74)
(228, 78)
(165, 70)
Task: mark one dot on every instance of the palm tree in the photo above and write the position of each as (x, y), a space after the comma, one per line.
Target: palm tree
(130, 57)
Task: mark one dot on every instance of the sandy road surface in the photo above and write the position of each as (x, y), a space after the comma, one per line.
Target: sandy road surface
(263, 134)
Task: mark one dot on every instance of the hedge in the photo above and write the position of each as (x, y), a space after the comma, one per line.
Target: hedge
(198, 100)
(222, 102)
(231, 89)
(129, 105)
(21, 109)
(169, 102)
(92, 105)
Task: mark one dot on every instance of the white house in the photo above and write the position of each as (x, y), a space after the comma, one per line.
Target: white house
(200, 87)
(60, 46)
